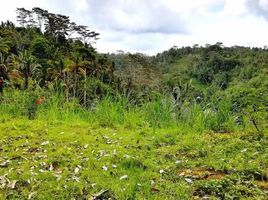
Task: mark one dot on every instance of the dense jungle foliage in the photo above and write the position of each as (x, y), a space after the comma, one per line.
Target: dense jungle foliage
(50, 54)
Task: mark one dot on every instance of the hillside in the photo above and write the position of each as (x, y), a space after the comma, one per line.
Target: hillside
(187, 123)
(62, 160)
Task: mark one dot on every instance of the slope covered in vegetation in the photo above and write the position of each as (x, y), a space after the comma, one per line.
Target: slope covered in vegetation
(190, 122)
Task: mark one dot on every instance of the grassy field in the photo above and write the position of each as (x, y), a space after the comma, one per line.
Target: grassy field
(41, 159)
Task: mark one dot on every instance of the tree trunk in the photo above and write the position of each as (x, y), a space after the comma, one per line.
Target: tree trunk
(67, 87)
(85, 91)
(75, 83)
(26, 75)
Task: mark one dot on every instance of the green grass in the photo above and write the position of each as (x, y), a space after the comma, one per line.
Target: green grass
(120, 111)
(69, 152)
(62, 160)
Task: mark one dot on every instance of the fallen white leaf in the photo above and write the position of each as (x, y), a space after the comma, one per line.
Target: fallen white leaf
(126, 156)
(12, 184)
(123, 177)
(5, 164)
(3, 181)
(76, 179)
(76, 170)
(51, 167)
(93, 185)
(244, 150)
(101, 153)
(178, 162)
(45, 143)
(31, 194)
(152, 182)
(190, 181)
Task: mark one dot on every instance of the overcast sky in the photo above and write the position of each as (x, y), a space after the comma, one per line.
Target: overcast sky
(151, 26)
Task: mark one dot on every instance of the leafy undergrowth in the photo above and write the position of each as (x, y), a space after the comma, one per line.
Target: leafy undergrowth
(59, 160)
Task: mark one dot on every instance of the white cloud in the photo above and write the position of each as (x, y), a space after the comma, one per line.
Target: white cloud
(8, 8)
(258, 7)
(151, 26)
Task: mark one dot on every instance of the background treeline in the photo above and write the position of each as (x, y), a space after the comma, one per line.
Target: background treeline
(222, 87)
(207, 88)
(50, 51)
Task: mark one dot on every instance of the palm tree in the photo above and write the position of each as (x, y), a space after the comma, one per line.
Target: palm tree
(28, 67)
(3, 67)
(58, 74)
(76, 68)
(4, 46)
(83, 72)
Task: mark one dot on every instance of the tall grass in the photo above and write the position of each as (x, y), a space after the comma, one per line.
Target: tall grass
(158, 113)
(219, 118)
(110, 111)
(18, 103)
(118, 110)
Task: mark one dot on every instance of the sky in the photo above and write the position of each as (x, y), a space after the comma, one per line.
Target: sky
(152, 26)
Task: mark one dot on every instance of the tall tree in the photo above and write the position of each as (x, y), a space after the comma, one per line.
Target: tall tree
(28, 67)
(41, 16)
(25, 17)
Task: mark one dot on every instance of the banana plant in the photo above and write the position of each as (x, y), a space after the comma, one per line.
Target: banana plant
(180, 95)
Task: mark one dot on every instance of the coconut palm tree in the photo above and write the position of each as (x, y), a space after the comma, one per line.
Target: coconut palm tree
(28, 67)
